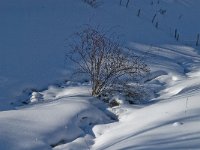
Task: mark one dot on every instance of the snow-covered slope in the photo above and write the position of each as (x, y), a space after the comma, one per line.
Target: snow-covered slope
(46, 125)
(33, 34)
(170, 124)
(65, 116)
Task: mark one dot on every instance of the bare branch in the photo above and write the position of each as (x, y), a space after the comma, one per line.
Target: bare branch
(108, 65)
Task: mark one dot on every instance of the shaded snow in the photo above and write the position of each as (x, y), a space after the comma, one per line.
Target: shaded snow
(43, 125)
(33, 34)
(65, 116)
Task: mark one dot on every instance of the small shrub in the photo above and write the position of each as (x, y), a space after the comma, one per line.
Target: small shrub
(109, 66)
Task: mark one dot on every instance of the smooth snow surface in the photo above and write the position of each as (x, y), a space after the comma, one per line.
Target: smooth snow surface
(64, 116)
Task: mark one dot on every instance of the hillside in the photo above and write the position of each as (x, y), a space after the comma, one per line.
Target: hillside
(61, 113)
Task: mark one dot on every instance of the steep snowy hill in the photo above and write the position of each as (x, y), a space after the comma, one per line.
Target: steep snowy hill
(33, 34)
(63, 115)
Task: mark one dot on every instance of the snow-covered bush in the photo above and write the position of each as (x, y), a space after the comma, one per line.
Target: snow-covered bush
(109, 66)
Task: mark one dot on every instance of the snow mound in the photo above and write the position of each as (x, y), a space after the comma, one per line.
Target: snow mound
(46, 125)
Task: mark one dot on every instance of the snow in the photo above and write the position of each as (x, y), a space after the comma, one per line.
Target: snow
(42, 125)
(61, 114)
(167, 124)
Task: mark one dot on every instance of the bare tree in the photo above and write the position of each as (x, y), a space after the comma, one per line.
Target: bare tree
(175, 33)
(197, 42)
(139, 11)
(154, 17)
(92, 3)
(120, 2)
(109, 66)
(127, 3)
